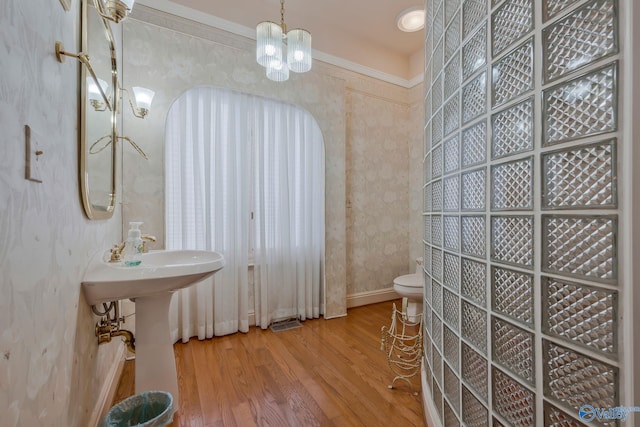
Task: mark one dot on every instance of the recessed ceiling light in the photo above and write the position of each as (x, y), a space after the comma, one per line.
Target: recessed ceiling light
(412, 19)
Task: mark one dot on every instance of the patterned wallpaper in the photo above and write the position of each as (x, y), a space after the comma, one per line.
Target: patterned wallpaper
(51, 369)
(377, 177)
(172, 55)
(416, 177)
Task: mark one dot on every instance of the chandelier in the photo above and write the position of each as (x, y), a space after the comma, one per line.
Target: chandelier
(280, 51)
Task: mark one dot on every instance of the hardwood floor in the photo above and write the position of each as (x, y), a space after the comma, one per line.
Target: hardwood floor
(326, 373)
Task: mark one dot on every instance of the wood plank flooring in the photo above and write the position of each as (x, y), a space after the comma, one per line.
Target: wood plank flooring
(326, 373)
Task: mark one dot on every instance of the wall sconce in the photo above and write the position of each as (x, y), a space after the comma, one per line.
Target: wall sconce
(97, 88)
(94, 93)
(143, 97)
(103, 142)
(114, 10)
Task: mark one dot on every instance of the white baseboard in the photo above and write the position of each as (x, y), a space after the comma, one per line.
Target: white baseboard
(336, 316)
(353, 300)
(371, 297)
(428, 409)
(109, 389)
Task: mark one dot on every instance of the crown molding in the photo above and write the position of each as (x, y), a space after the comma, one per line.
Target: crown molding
(171, 8)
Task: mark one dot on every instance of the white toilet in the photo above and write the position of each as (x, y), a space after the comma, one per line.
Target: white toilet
(410, 288)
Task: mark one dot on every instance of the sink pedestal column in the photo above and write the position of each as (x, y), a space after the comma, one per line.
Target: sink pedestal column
(155, 360)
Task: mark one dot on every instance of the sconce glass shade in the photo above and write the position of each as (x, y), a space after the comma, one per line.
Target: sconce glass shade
(278, 71)
(92, 89)
(143, 97)
(118, 9)
(299, 50)
(269, 43)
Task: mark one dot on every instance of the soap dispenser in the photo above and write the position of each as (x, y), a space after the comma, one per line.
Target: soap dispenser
(133, 248)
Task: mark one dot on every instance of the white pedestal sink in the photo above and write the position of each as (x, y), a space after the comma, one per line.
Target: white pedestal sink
(151, 285)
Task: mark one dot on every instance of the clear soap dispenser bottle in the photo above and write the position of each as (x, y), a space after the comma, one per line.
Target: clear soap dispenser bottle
(133, 248)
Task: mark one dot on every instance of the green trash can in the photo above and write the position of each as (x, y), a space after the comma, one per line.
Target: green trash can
(148, 409)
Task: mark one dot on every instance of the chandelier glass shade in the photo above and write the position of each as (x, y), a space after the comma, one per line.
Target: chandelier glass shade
(278, 71)
(299, 50)
(269, 43)
(115, 10)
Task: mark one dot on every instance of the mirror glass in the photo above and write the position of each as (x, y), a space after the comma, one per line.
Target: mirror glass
(98, 115)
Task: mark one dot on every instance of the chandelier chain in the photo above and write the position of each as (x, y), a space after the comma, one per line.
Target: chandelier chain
(282, 24)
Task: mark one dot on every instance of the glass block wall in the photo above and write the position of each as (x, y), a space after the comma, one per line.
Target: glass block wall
(521, 210)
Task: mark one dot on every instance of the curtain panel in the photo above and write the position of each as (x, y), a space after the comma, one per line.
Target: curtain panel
(245, 175)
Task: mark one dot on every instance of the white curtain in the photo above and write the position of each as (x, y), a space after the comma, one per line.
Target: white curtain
(229, 155)
(289, 218)
(207, 176)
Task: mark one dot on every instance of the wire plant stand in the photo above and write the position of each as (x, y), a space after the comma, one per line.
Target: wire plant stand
(402, 343)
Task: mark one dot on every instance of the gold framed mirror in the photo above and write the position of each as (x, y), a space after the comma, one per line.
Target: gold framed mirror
(98, 114)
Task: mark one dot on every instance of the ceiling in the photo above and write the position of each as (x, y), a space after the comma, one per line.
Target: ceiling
(362, 32)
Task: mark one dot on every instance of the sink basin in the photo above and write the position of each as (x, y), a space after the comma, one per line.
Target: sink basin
(160, 271)
(151, 285)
